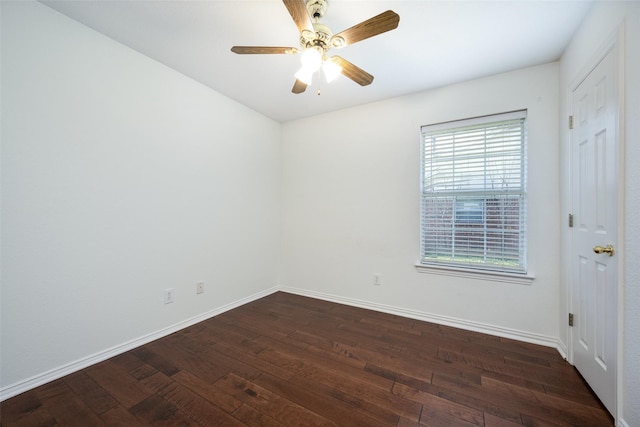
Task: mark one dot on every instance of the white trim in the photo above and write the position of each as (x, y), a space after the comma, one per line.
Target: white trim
(492, 276)
(539, 339)
(511, 115)
(562, 349)
(41, 379)
(620, 56)
(69, 368)
(443, 191)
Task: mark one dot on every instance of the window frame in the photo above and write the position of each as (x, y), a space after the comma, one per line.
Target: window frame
(482, 270)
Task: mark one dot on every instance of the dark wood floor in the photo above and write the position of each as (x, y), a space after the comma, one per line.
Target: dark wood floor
(287, 360)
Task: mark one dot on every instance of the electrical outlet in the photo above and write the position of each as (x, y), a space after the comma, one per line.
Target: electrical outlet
(199, 287)
(168, 296)
(376, 279)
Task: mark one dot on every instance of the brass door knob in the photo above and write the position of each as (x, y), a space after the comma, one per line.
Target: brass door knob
(604, 250)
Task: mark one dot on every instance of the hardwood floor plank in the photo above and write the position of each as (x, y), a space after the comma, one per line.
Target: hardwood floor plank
(436, 418)
(156, 411)
(90, 392)
(301, 360)
(532, 421)
(128, 361)
(21, 405)
(222, 400)
(25, 409)
(67, 408)
(288, 360)
(396, 377)
(332, 407)
(533, 403)
(156, 360)
(403, 422)
(397, 324)
(196, 407)
(39, 418)
(495, 421)
(460, 380)
(331, 350)
(368, 401)
(582, 395)
(194, 362)
(252, 417)
(119, 416)
(253, 353)
(117, 381)
(436, 409)
(271, 404)
(474, 397)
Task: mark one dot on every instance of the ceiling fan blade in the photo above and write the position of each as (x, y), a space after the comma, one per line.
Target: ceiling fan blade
(243, 50)
(299, 87)
(298, 11)
(379, 24)
(353, 72)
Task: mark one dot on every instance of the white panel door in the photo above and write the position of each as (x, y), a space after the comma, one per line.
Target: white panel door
(594, 261)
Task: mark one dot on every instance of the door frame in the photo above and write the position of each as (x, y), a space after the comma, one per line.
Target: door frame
(615, 44)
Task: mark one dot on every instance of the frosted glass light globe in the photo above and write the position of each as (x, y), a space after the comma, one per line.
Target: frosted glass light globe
(304, 75)
(331, 70)
(311, 59)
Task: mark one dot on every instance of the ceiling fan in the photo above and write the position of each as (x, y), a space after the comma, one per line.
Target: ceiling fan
(316, 39)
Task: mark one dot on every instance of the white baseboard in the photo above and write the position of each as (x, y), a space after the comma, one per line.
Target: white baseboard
(563, 350)
(623, 423)
(40, 379)
(54, 374)
(500, 331)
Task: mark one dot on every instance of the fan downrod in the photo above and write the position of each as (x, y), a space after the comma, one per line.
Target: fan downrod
(317, 8)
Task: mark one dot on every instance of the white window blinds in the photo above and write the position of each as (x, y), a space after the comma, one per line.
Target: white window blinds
(473, 208)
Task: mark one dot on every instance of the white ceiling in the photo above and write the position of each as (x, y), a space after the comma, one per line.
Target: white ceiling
(436, 43)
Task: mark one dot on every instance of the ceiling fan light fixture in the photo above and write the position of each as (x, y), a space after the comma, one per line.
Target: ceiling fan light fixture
(316, 39)
(331, 70)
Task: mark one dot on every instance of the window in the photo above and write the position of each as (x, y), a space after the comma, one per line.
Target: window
(473, 207)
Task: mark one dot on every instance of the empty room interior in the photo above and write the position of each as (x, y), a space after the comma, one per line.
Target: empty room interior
(241, 241)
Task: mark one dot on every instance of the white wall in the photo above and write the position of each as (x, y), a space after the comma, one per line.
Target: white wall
(602, 22)
(351, 207)
(120, 178)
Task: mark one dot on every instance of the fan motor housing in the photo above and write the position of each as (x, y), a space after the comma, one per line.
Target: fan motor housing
(320, 37)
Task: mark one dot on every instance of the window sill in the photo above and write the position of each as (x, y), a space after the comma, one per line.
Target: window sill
(492, 276)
